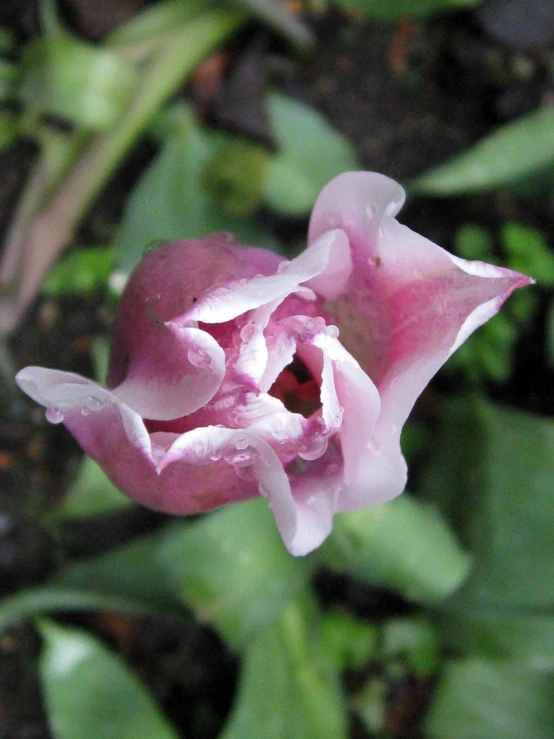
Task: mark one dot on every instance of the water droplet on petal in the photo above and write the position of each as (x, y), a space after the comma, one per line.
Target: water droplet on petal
(240, 456)
(215, 456)
(85, 411)
(244, 282)
(314, 448)
(333, 332)
(54, 415)
(94, 404)
(280, 436)
(241, 443)
(198, 357)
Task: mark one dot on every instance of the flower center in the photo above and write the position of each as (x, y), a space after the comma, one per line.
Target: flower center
(296, 388)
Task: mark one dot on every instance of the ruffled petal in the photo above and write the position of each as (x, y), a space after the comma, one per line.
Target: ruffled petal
(234, 298)
(177, 377)
(315, 503)
(252, 460)
(408, 303)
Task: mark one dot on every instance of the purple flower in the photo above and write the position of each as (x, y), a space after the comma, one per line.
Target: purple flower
(234, 373)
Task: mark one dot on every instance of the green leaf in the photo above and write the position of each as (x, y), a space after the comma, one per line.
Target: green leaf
(155, 21)
(91, 493)
(413, 639)
(346, 641)
(528, 252)
(404, 544)
(525, 636)
(90, 693)
(234, 176)
(485, 698)
(310, 153)
(82, 272)
(400, 9)
(285, 689)
(171, 200)
(511, 153)
(492, 473)
(233, 570)
(129, 579)
(472, 241)
(85, 84)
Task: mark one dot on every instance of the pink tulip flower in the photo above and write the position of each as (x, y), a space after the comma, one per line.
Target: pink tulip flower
(235, 373)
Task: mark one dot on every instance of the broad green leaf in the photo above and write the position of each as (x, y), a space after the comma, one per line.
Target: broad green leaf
(171, 200)
(84, 84)
(90, 693)
(81, 272)
(413, 639)
(285, 689)
(511, 153)
(310, 153)
(479, 698)
(91, 493)
(232, 569)
(525, 636)
(128, 579)
(404, 544)
(60, 599)
(399, 9)
(346, 641)
(155, 21)
(492, 470)
(528, 252)
(235, 175)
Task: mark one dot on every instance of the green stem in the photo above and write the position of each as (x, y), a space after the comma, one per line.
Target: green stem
(53, 229)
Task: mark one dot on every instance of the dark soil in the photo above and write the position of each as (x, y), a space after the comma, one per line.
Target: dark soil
(408, 95)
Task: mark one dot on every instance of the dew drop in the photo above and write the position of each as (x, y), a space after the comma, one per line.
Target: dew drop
(283, 266)
(314, 449)
(333, 331)
(198, 357)
(215, 456)
(54, 415)
(241, 443)
(94, 404)
(240, 457)
(85, 411)
(244, 282)
(280, 436)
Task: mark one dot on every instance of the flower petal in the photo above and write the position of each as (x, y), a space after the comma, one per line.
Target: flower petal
(177, 378)
(242, 451)
(239, 296)
(408, 303)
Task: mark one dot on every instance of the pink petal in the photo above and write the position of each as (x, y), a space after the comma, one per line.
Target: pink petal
(178, 377)
(408, 303)
(237, 297)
